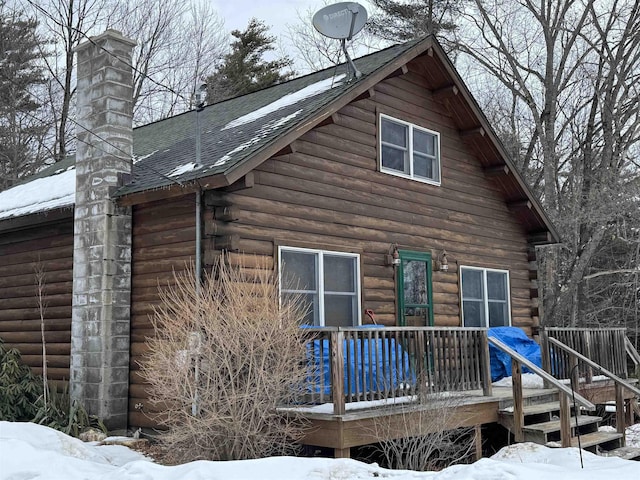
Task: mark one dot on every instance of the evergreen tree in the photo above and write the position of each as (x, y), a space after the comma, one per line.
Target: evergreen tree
(244, 70)
(402, 20)
(21, 130)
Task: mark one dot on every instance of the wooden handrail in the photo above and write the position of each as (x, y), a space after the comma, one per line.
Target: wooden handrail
(595, 366)
(631, 351)
(540, 372)
(566, 393)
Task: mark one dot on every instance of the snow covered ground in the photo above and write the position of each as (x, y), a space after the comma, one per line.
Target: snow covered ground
(32, 452)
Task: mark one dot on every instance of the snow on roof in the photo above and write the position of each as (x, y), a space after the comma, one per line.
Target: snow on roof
(39, 195)
(187, 167)
(263, 132)
(289, 99)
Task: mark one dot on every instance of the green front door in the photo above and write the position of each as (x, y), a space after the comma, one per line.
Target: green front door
(415, 295)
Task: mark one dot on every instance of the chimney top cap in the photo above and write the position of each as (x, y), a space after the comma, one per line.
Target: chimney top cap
(107, 34)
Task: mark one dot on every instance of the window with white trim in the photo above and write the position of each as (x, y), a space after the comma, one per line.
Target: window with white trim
(410, 151)
(328, 283)
(485, 297)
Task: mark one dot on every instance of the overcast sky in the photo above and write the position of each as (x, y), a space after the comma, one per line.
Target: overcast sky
(276, 13)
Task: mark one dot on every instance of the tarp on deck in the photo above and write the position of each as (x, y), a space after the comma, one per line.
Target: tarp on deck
(517, 340)
(370, 365)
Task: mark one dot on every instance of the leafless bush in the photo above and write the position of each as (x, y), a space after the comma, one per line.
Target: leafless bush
(425, 436)
(224, 357)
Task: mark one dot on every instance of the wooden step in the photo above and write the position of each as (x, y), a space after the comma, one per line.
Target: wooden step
(554, 425)
(626, 453)
(546, 432)
(595, 438)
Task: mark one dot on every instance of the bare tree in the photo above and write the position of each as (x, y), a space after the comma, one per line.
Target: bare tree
(225, 357)
(313, 51)
(41, 296)
(178, 44)
(567, 84)
(66, 23)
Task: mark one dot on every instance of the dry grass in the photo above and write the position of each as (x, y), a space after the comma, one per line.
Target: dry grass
(223, 359)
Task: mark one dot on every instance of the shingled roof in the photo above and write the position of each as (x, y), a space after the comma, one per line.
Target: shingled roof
(233, 131)
(240, 133)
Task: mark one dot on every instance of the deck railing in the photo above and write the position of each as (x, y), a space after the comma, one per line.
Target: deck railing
(348, 365)
(603, 346)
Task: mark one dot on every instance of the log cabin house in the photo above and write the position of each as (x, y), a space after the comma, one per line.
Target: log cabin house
(388, 194)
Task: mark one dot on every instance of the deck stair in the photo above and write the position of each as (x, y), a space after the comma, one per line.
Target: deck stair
(542, 426)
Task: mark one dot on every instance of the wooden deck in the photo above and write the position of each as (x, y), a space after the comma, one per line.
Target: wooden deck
(383, 399)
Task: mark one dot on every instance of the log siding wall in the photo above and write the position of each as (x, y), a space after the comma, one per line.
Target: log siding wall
(163, 242)
(48, 247)
(329, 193)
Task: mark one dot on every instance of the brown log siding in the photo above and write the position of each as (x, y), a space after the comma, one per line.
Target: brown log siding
(163, 242)
(48, 247)
(328, 193)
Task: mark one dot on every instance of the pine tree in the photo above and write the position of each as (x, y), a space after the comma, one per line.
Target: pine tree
(21, 131)
(244, 70)
(401, 20)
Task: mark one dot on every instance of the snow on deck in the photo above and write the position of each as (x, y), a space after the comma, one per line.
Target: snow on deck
(289, 99)
(39, 195)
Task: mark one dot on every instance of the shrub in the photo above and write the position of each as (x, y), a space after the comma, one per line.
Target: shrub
(223, 360)
(19, 387)
(61, 413)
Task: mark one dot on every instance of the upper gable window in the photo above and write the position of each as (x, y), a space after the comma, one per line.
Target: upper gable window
(410, 151)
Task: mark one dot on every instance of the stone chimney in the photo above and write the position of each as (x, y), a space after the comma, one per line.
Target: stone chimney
(102, 230)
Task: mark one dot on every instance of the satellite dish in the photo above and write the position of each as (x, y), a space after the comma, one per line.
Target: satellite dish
(341, 21)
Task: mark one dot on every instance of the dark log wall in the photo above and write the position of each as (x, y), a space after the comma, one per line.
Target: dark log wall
(49, 249)
(328, 193)
(163, 242)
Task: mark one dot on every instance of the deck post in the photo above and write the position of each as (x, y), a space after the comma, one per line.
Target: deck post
(518, 409)
(478, 440)
(546, 354)
(588, 374)
(337, 372)
(574, 372)
(342, 452)
(486, 364)
(565, 420)
(620, 416)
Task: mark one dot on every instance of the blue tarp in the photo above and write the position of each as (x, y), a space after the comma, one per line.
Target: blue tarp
(371, 356)
(516, 339)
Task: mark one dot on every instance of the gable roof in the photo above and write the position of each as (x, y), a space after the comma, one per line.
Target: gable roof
(240, 133)
(236, 130)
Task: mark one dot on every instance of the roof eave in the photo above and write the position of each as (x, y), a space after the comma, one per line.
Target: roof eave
(485, 124)
(37, 218)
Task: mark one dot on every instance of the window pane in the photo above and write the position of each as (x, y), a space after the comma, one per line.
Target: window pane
(497, 285)
(423, 166)
(394, 133)
(473, 314)
(339, 310)
(498, 314)
(424, 142)
(339, 274)
(416, 317)
(415, 282)
(472, 284)
(298, 270)
(308, 304)
(394, 159)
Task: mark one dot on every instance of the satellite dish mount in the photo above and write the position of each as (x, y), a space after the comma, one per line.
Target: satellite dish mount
(341, 21)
